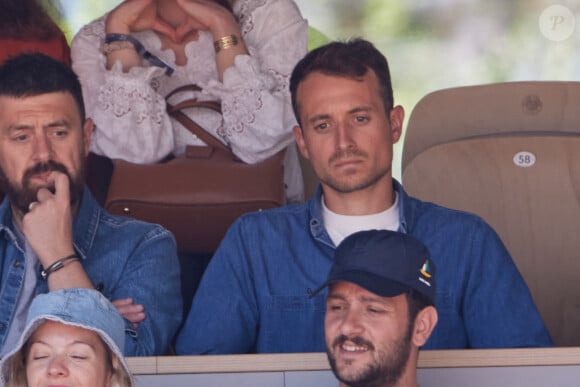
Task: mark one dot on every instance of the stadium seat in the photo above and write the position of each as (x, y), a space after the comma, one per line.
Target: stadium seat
(510, 152)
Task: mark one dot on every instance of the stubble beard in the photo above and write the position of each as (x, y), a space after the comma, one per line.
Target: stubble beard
(385, 370)
(21, 195)
(347, 185)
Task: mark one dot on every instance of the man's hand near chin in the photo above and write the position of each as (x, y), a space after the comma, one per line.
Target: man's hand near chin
(48, 224)
(48, 229)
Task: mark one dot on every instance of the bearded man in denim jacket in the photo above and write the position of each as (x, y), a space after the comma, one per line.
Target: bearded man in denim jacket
(53, 234)
(255, 293)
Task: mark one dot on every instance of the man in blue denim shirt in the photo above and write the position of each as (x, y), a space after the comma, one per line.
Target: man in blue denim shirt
(53, 234)
(255, 293)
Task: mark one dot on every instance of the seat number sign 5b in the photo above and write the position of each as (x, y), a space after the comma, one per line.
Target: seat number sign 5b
(524, 159)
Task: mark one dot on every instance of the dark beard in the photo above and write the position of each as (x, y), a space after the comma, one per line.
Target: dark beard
(388, 368)
(21, 196)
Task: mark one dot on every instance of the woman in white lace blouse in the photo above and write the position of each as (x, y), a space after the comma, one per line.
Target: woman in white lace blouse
(241, 54)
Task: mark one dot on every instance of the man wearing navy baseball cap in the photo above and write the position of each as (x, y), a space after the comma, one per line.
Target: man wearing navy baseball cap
(379, 309)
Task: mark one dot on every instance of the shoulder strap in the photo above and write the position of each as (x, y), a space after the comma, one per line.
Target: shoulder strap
(176, 112)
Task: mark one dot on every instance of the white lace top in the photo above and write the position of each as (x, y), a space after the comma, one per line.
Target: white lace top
(257, 119)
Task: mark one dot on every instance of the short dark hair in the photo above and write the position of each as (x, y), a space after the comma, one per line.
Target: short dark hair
(416, 302)
(352, 59)
(29, 75)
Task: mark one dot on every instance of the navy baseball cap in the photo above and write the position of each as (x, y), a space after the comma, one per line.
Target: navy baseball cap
(383, 262)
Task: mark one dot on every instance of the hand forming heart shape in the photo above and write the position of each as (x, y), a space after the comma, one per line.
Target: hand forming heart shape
(139, 15)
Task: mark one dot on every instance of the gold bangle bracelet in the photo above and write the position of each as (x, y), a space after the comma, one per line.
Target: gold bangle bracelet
(225, 42)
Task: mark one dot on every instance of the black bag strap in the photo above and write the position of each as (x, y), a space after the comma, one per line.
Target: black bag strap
(176, 112)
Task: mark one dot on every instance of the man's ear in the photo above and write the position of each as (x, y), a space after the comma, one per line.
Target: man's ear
(299, 136)
(396, 117)
(424, 324)
(88, 128)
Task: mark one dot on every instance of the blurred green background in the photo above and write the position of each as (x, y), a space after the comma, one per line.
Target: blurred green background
(432, 44)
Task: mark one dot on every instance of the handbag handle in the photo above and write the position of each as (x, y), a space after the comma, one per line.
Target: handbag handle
(176, 112)
(190, 87)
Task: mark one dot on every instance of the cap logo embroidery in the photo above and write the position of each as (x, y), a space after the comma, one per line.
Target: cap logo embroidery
(425, 269)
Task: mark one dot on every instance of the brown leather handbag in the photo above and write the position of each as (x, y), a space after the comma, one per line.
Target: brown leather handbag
(196, 196)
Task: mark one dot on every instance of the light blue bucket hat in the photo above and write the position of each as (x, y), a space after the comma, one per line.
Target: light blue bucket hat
(83, 308)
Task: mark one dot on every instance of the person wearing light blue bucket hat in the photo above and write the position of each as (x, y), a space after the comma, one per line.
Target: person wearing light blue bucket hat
(71, 335)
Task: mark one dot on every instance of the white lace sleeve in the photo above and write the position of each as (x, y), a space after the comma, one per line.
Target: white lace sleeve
(129, 114)
(257, 111)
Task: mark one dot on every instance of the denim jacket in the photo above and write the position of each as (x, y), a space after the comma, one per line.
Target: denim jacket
(122, 257)
(255, 293)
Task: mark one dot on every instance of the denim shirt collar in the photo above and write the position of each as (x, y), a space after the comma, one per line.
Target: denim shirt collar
(406, 208)
(7, 226)
(84, 225)
(406, 211)
(316, 222)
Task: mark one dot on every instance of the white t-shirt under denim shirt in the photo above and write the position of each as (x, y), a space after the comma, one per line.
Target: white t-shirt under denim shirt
(340, 226)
